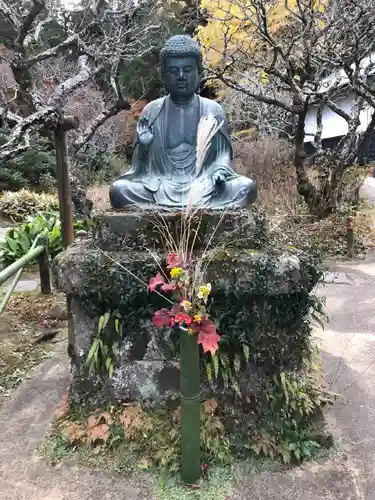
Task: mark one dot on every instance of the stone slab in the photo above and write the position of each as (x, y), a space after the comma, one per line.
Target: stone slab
(3, 232)
(22, 286)
(338, 278)
(110, 271)
(81, 265)
(118, 230)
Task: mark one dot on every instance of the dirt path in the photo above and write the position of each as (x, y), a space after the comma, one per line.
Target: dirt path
(26, 417)
(348, 346)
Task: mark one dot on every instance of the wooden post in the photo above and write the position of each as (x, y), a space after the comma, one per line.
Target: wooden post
(65, 203)
(63, 181)
(44, 270)
(350, 236)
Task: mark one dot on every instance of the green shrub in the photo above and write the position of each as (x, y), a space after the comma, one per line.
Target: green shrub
(19, 240)
(98, 167)
(17, 205)
(284, 428)
(34, 168)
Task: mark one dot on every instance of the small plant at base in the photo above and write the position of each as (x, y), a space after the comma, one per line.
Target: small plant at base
(224, 366)
(104, 352)
(291, 445)
(283, 430)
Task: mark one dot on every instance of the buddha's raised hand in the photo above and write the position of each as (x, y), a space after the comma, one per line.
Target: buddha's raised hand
(144, 132)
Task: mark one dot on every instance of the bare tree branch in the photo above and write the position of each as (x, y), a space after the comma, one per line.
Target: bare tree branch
(52, 52)
(100, 119)
(47, 115)
(339, 111)
(319, 129)
(233, 84)
(110, 39)
(66, 88)
(38, 6)
(10, 152)
(9, 13)
(21, 132)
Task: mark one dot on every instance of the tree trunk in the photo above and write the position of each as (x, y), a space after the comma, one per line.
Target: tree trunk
(304, 186)
(313, 197)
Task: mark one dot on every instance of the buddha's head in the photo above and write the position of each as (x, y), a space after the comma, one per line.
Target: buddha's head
(181, 66)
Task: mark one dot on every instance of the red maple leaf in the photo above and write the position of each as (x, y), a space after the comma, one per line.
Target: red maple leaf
(209, 341)
(162, 318)
(173, 260)
(207, 335)
(154, 282)
(168, 287)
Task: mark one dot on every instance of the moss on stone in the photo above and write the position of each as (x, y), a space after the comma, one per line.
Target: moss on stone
(260, 299)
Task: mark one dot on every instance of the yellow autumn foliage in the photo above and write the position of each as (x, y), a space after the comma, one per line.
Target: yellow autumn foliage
(233, 25)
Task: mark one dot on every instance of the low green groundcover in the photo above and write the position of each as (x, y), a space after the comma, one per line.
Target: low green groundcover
(285, 424)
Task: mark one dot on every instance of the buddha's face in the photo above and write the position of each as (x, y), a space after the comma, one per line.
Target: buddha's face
(181, 76)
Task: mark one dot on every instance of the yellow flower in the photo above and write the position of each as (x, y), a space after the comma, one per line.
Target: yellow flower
(197, 318)
(204, 291)
(186, 305)
(176, 272)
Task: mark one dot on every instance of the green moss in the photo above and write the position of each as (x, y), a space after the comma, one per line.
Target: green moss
(217, 485)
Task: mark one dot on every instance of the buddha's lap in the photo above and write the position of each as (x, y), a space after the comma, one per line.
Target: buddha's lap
(128, 188)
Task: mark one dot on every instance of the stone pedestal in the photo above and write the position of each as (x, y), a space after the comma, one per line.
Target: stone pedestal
(260, 298)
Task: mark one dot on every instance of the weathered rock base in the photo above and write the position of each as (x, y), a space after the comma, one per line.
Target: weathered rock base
(255, 288)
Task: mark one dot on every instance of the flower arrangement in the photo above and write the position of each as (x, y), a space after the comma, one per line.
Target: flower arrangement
(189, 304)
(181, 286)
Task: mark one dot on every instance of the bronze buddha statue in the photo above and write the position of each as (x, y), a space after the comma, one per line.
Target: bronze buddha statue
(163, 166)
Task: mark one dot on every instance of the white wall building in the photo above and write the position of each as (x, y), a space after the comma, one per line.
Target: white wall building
(334, 126)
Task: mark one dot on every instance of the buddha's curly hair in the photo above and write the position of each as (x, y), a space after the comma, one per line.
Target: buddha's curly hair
(183, 46)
